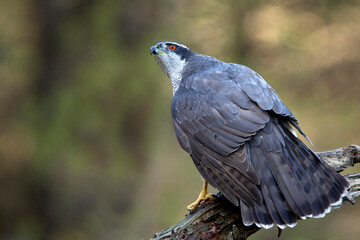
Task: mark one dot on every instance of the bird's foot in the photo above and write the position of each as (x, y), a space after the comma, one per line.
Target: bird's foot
(203, 196)
(192, 207)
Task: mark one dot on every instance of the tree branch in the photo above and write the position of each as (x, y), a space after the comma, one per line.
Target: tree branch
(219, 219)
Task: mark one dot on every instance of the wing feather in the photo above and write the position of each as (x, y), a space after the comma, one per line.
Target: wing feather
(235, 128)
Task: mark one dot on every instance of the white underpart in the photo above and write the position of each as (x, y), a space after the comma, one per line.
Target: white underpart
(172, 66)
(293, 131)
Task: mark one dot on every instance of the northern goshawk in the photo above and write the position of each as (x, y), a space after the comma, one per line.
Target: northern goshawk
(242, 140)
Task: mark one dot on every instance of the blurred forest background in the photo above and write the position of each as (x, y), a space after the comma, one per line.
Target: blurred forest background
(87, 148)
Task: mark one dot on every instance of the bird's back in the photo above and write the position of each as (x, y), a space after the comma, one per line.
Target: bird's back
(237, 131)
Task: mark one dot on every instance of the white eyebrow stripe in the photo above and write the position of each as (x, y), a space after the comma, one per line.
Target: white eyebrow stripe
(179, 44)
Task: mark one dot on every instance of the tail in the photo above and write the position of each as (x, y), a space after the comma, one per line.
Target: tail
(294, 182)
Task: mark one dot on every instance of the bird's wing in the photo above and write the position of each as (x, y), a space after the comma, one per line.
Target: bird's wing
(259, 91)
(234, 126)
(216, 112)
(213, 120)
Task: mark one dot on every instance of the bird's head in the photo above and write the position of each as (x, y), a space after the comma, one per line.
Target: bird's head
(172, 58)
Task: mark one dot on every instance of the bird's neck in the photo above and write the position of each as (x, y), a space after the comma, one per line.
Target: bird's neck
(175, 81)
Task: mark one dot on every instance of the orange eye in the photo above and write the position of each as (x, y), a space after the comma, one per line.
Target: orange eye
(172, 47)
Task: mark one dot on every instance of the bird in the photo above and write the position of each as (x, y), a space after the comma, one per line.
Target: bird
(243, 140)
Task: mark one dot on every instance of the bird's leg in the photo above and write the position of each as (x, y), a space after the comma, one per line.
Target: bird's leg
(204, 195)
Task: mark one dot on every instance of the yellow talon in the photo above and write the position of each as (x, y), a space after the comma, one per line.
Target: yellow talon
(204, 195)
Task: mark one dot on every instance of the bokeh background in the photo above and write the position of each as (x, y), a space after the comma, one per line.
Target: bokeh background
(87, 148)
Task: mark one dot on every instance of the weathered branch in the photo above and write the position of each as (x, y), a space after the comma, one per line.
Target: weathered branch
(219, 219)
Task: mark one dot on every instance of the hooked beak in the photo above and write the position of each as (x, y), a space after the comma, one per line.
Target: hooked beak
(155, 50)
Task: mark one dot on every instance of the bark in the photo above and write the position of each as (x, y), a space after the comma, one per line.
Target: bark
(219, 219)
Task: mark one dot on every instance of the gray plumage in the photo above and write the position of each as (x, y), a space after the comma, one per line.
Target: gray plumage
(239, 135)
